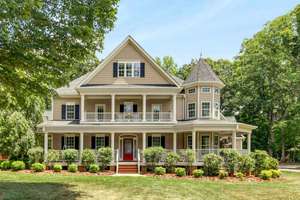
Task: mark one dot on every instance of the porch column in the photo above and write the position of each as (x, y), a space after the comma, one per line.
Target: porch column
(212, 140)
(144, 107)
(174, 107)
(80, 145)
(233, 138)
(249, 142)
(194, 143)
(174, 141)
(82, 116)
(112, 145)
(144, 141)
(45, 146)
(113, 107)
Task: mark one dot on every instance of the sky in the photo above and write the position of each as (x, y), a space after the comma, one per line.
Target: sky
(186, 29)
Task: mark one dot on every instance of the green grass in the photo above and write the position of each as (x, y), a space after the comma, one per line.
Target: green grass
(56, 186)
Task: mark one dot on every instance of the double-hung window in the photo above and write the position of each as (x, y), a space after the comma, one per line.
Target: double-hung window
(205, 90)
(50, 142)
(205, 109)
(192, 91)
(136, 70)
(189, 142)
(70, 111)
(70, 141)
(100, 141)
(121, 69)
(156, 140)
(217, 110)
(191, 110)
(129, 69)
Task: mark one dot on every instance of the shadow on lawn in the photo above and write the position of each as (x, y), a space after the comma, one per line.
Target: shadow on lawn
(38, 190)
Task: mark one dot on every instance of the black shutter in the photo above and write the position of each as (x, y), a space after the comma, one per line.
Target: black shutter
(135, 108)
(93, 142)
(163, 141)
(121, 107)
(77, 112)
(62, 142)
(142, 70)
(76, 142)
(149, 141)
(63, 111)
(106, 141)
(115, 69)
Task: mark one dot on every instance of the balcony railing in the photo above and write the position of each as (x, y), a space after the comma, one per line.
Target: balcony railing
(98, 116)
(129, 116)
(159, 116)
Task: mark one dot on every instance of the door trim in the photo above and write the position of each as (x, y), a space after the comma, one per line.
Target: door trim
(135, 144)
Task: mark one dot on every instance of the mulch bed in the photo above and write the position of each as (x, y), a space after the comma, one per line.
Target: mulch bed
(64, 172)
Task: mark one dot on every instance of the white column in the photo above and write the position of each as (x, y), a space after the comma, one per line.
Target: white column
(213, 102)
(82, 116)
(233, 140)
(113, 107)
(212, 140)
(45, 146)
(144, 107)
(198, 102)
(174, 141)
(144, 141)
(174, 107)
(80, 145)
(194, 143)
(112, 144)
(249, 142)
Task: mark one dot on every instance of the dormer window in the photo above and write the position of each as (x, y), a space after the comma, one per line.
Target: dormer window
(129, 69)
(205, 90)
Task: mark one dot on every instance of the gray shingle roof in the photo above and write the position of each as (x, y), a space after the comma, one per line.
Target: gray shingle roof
(70, 88)
(202, 72)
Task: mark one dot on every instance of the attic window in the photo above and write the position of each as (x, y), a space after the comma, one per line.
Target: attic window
(129, 69)
(205, 90)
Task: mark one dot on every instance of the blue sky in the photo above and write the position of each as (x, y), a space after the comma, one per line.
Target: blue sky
(185, 28)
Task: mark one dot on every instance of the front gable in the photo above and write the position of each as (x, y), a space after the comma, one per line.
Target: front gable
(129, 51)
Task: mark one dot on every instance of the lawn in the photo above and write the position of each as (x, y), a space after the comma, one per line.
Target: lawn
(56, 186)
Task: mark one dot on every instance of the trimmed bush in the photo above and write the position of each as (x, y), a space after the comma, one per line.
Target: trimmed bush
(189, 158)
(160, 170)
(230, 158)
(179, 171)
(239, 175)
(212, 164)
(271, 163)
(153, 155)
(222, 174)
(53, 156)
(70, 155)
(17, 165)
(246, 164)
(57, 168)
(265, 174)
(36, 155)
(94, 168)
(104, 157)
(88, 157)
(260, 160)
(5, 165)
(38, 167)
(171, 160)
(275, 173)
(72, 168)
(198, 173)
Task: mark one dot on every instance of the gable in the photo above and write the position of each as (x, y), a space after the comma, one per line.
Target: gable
(129, 51)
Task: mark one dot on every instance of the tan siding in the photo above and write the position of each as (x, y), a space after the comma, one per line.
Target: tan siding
(90, 104)
(166, 104)
(180, 109)
(57, 102)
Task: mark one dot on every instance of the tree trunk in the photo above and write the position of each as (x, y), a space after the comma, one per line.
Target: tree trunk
(271, 134)
(282, 147)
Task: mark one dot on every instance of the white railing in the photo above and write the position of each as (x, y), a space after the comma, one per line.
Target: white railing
(139, 161)
(128, 116)
(97, 116)
(117, 160)
(159, 116)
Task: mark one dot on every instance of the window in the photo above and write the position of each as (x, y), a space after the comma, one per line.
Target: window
(100, 109)
(205, 109)
(216, 141)
(192, 91)
(50, 142)
(129, 69)
(70, 111)
(156, 108)
(70, 142)
(189, 142)
(217, 90)
(191, 110)
(128, 106)
(205, 142)
(205, 89)
(99, 141)
(156, 141)
(217, 110)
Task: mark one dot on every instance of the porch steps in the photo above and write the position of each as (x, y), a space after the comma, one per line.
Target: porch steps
(128, 169)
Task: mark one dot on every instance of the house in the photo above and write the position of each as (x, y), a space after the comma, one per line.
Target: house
(130, 103)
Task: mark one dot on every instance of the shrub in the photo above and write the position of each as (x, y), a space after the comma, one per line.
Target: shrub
(57, 168)
(179, 171)
(246, 164)
(53, 156)
(38, 167)
(265, 174)
(94, 168)
(17, 165)
(212, 164)
(171, 160)
(70, 155)
(275, 173)
(198, 173)
(260, 160)
(88, 157)
(230, 158)
(160, 170)
(271, 163)
(190, 158)
(223, 174)
(5, 165)
(153, 155)
(72, 168)
(104, 157)
(240, 175)
(36, 155)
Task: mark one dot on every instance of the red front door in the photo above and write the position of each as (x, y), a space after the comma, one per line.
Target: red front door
(128, 149)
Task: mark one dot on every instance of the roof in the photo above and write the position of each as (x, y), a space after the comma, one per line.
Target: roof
(202, 72)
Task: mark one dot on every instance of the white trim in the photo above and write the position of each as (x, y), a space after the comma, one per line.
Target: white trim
(209, 109)
(134, 137)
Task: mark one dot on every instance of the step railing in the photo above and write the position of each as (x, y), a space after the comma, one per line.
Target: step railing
(117, 160)
(138, 161)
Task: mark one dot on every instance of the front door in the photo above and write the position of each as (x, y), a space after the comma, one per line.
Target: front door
(128, 149)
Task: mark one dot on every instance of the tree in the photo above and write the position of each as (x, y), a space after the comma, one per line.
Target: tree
(168, 64)
(185, 70)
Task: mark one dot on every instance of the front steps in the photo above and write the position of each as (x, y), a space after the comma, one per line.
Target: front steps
(128, 168)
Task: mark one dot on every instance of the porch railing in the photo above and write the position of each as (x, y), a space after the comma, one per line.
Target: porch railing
(128, 116)
(159, 116)
(97, 116)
